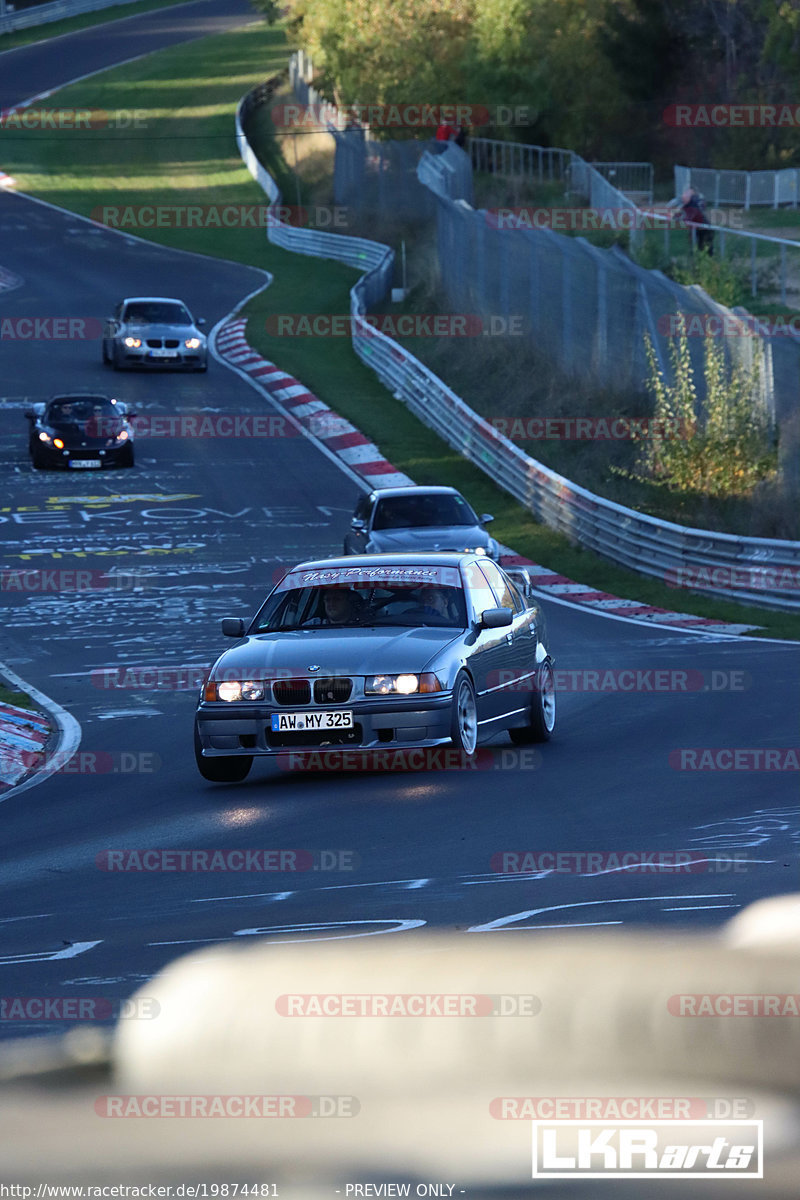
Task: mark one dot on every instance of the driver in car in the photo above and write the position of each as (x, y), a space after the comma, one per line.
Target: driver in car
(434, 602)
(342, 605)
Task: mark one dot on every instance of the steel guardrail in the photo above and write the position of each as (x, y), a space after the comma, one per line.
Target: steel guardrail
(636, 540)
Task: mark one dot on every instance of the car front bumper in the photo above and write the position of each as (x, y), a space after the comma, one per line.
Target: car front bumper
(245, 728)
(107, 456)
(190, 360)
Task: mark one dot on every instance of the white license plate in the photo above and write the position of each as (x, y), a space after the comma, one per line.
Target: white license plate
(85, 464)
(163, 353)
(300, 722)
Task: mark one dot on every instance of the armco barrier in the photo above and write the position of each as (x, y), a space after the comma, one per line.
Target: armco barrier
(640, 542)
(42, 14)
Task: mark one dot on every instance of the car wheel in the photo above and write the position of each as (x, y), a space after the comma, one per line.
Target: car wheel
(126, 458)
(115, 363)
(221, 770)
(464, 720)
(543, 710)
(106, 359)
(37, 461)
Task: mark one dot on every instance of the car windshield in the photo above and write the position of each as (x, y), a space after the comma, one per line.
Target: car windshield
(349, 600)
(406, 512)
(156, 312)
(80, 410)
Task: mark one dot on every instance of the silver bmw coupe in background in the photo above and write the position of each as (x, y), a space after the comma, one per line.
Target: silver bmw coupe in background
(154, 331)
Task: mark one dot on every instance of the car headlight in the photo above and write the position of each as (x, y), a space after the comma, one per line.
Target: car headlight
(122, 436)
(132, 343)
(45, 437)
(474, 549)
(193, 343)
(57, 442)
(235, 689)
(400, 685)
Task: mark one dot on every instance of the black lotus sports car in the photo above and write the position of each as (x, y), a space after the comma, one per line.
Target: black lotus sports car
(80, 431)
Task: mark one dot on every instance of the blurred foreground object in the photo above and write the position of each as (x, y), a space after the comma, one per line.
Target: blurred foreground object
(602, 1019)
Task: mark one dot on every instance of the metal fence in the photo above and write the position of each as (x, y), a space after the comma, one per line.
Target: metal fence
(746, 188)
(589, 307)
(537, 164)
(643, 543)
(12, 18)
(548, 164)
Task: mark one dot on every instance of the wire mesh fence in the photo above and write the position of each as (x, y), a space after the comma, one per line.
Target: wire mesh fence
(745, 188)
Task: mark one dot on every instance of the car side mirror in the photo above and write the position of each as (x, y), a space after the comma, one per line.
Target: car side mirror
(521, 579)
(496, 618)
(129, 414)
(486, 518)
(200, 321)
(233, 627)
(359, 524)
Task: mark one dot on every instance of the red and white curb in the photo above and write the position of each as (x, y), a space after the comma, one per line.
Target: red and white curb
(364, 457)
(348, 443)
(550, 583)
(23, 735)
(7, 180)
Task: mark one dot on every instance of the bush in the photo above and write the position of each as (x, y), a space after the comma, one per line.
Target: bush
(726, 451)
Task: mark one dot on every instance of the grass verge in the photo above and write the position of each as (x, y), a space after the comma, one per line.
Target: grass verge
(17, 699)
(185, 155)
(43, 33)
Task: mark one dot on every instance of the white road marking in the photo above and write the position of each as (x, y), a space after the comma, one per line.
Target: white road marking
(34, 917)
(72, 951)
(514, 918)
(400, 926)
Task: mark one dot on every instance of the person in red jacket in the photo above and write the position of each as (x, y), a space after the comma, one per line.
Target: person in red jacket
(693, 209)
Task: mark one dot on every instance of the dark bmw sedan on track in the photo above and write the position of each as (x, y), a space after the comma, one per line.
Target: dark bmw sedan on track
(370, 651)
(154, 331)
(80, 431)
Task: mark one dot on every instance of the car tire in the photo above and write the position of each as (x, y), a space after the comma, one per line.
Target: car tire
(115, 363)
(543, 710)
(126, 458)
(221, 770)
(464, 718)
(37, 462)
(106, 359)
